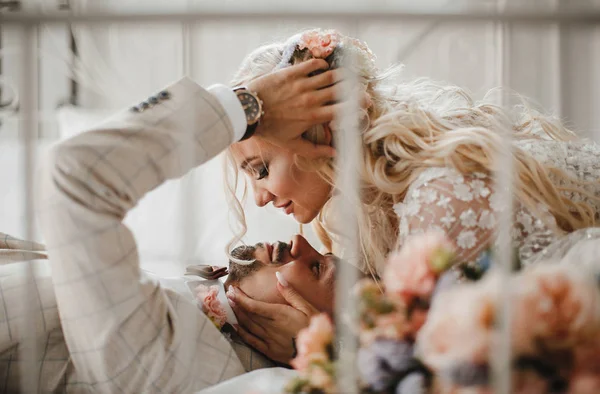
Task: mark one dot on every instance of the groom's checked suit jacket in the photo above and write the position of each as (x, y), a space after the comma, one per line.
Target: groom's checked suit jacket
(103, 326)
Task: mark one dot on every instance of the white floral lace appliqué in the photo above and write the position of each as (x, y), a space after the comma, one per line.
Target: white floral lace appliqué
(435, 205)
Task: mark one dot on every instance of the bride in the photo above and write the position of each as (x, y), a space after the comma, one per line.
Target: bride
(427, 164)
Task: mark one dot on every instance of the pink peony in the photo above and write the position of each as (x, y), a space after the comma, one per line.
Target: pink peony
(554, 304)
(305, 344)
(554, 309)
(413, 271)
(321, 379)
(312, 342)
(459, 326)
(303, 361)
(320, 43)
(211, 306)
(319, 331)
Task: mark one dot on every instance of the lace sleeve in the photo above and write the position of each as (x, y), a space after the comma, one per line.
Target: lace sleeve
(461, 206)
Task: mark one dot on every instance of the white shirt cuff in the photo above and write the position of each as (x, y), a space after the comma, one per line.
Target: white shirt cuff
(233, 109)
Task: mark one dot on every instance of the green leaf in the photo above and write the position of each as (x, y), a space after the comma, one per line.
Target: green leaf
(441, 261)
(297, 386)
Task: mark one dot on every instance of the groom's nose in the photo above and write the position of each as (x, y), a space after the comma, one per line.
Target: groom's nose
(301, 247)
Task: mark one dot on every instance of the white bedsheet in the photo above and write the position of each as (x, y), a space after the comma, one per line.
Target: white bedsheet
(261, 381)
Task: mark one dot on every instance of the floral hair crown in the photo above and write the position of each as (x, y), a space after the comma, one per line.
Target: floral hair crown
(322, 44)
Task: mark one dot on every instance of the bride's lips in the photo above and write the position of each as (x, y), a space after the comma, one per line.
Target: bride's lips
(288, 208)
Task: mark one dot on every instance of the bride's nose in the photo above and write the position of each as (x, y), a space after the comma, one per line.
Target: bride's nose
(262, 197)
(301, 247)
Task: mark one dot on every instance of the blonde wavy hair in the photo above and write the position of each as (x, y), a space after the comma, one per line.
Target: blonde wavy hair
(415, 125)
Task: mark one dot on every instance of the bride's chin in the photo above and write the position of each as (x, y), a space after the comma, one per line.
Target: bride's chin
(304, 217)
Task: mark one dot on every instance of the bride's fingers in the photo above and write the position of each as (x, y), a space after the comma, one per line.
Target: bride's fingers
(241, 301)
(253, 340)
(295, 299)
(249, 324)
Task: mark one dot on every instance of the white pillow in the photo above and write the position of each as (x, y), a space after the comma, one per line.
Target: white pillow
(158, 222)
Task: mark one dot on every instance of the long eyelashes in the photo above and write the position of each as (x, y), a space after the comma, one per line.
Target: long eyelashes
(262, 173)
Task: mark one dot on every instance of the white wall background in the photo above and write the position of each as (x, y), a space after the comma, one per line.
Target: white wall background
(123, 64)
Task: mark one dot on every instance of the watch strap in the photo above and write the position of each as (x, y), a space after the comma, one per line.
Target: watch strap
(250, 130)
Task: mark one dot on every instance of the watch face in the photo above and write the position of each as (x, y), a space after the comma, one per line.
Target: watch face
(251, 107)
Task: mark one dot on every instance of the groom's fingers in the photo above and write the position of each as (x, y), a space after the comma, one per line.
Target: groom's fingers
(307, 67)
(253, 340)
(322, 79)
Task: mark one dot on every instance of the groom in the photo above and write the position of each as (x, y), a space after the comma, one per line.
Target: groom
(123, 332)
(304, 281)
(256, 279)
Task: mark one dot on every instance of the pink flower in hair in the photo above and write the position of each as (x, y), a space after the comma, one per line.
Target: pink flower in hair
(320, 43)
(211, 306)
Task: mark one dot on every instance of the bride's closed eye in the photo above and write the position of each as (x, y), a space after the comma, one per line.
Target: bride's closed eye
(261, 172)
(259, 169)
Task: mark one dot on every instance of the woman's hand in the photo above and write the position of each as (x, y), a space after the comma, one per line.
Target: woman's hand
(272, 328)
(293, 102)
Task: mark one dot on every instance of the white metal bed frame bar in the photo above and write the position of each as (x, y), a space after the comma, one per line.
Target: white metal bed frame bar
(582, 17)
(28, 116)
(348, 179)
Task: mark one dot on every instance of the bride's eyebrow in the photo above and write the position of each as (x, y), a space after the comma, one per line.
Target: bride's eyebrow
(247, 161)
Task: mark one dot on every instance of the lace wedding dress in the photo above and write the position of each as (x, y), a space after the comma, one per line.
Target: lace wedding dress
(467, 208)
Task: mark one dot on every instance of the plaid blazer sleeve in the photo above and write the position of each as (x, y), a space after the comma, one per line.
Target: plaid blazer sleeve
(125, 333)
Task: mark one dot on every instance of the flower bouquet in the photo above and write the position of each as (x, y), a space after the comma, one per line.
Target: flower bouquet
(314, 361)
(425, 331)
